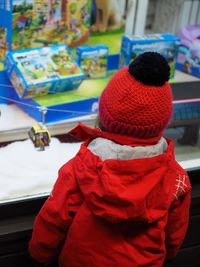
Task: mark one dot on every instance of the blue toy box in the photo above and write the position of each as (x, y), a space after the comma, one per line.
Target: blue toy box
(165, 44)
(93, 60)
(39, 71)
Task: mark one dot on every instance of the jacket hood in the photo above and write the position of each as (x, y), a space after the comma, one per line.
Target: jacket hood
(118, 185)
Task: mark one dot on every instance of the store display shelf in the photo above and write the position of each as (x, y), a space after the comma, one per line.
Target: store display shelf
(15, 123)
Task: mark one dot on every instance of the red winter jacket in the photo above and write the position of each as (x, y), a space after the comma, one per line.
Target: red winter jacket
(114, 212)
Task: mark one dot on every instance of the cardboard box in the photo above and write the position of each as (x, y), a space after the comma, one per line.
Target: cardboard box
(188, 59)
(93, 60)
(39, 71)
(165, 44)
(38, 23)
(71, 104)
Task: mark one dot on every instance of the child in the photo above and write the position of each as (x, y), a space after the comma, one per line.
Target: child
(123, 200)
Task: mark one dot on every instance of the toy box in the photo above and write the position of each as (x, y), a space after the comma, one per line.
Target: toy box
(37, 23)
(68, 105)
(40, 71)
(93, 60)
(165, 44)
(189, 50)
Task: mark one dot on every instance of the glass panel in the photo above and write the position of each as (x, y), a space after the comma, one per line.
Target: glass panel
(26, 172)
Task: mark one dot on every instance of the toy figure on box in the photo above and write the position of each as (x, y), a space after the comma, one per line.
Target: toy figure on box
(123, 200)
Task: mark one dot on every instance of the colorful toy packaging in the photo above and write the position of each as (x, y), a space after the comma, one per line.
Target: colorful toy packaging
(165, 44)
(3, 46)
(189, 50)
(39, 71)
(36, 23)
(93, 60)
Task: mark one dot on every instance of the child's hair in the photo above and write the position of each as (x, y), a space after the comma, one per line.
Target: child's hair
(137, 101)
(98, 124)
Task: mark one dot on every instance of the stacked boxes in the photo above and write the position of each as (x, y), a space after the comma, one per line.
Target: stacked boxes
(165, 44)
(93, 60)
(36, 23)
(39, 71)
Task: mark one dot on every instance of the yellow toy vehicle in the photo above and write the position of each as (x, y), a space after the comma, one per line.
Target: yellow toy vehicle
(40, 136)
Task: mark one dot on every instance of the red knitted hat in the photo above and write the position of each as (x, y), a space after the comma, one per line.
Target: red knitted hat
(137, 101)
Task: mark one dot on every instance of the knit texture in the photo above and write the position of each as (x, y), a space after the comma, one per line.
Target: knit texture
(130, 107)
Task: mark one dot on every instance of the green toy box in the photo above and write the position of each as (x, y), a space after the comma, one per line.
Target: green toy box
(93, 60)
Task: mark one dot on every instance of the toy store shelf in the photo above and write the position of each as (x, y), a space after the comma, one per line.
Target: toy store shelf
(15, 123)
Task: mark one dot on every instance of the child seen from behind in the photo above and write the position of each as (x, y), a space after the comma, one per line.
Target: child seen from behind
(123, 200)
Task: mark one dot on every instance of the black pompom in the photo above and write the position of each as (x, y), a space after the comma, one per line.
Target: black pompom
(150, 68)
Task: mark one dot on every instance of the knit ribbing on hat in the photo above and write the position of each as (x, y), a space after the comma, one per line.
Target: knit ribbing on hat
(132, 108)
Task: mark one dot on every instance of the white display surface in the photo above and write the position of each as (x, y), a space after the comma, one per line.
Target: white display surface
(26, 172)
